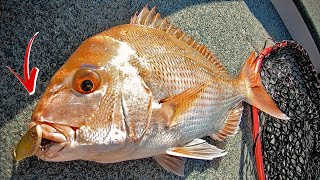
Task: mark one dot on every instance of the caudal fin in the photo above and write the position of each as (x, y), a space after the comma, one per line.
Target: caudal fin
(256, 94)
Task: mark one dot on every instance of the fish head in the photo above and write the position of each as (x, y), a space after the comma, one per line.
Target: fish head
(96, 107)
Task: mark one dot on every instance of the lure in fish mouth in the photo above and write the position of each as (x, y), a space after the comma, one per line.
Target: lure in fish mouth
(45, 141)
(144, 89)
(29, 143)
(55, 139)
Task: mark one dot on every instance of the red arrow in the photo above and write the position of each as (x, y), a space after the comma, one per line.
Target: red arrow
(29, 81)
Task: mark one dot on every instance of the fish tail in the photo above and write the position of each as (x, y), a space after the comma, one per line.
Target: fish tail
(255, 93)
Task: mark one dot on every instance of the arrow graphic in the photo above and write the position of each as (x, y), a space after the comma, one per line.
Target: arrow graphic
(29, 81)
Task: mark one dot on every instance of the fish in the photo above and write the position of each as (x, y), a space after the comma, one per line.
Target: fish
(144, 89)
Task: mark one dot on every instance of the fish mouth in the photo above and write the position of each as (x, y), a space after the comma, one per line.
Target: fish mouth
(55, 138)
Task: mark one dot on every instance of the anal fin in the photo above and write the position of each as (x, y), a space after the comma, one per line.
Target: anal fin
(231, 124)
(197, 149)
(171, 163)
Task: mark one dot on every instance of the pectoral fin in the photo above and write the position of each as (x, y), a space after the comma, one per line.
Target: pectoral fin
(171, 163)
(178, 104)
(197, 149)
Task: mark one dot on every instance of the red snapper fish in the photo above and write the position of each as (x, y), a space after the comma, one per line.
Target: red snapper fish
(144, 89)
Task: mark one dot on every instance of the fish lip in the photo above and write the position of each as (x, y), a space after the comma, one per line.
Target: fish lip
(38, 119)
(56, 133)
(49, 151)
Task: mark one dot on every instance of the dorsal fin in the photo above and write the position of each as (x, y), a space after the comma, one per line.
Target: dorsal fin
(153, 20)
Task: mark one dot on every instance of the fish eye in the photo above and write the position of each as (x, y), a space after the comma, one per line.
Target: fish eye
(86, 85)
(86, 81)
